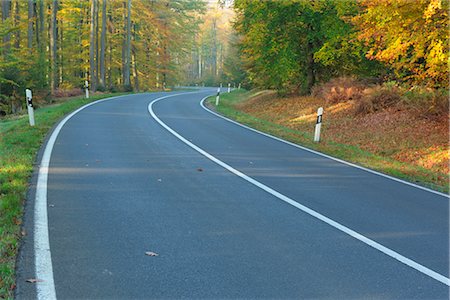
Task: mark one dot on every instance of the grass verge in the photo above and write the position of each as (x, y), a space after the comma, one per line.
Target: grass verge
(229, 107)
(19, 144)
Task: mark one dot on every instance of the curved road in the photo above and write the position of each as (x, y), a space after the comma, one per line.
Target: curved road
(120, 185)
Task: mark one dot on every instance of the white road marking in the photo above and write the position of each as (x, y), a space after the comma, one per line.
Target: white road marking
(338, 226)
(45, 288)
(322, 154)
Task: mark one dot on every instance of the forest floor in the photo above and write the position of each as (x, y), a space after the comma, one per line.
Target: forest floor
(395, 141)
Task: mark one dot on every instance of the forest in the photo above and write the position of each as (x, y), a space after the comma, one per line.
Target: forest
(292, 45)
(53, 46)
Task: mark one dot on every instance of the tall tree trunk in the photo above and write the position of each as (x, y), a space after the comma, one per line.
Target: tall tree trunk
(17, 24)
(310, 68)
(60, 52)
(6, 11)
(103, 45)
(53, 48)
(214, 49)
(135, 71)
(31, 8)
(126, 65)
(134, 63)
(39, 11)
(96, 42)
(200, 62)
(110, 51)
(92, 50)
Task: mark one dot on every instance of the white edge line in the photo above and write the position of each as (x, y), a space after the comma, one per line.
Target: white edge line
(338, 226)
(45, 286)
(322, 154)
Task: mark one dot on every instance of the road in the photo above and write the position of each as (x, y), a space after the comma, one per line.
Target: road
(120, 184)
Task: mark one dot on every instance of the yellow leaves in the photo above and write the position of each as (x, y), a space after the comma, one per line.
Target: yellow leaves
(433, 6)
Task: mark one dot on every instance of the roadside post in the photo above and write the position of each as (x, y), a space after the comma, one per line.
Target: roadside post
(229, 87)
(234, 85)
(318, 125)
(29, 97)
(221, 85)
(239, 86)
(217, 97)
(86, 86)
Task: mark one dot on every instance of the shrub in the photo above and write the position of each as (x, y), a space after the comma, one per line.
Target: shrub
(427, 102)
(64, 93)
(378, 98)
(339, 90)
(101, 88)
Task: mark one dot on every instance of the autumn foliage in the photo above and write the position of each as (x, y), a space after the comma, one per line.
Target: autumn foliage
(293, 45)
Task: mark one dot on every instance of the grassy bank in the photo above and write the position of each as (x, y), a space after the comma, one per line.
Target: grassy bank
(354, 139)
(19, 144)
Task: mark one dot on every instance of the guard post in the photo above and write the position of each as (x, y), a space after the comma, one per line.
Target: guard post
(318, 125)
(217, 97)
(29, 97)
(86, 86)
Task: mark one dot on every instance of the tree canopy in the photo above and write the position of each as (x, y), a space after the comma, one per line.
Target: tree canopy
(292, 44)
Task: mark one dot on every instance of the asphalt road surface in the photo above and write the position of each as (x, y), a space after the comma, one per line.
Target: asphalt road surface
(120, 185)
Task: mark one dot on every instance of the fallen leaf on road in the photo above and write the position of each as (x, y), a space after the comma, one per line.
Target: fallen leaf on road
(34, 280)
(23, 232)
(149, 253)
(52, 205)
(159, 179)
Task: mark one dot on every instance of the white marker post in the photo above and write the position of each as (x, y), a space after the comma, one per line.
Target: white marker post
(221, 85)
(86, 86)
(29, 97)
(217, 97)
(318, 125)
(229, 87)
(239, 86)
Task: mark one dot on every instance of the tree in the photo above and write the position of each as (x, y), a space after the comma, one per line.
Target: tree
(103, 46)
(93, 46)
(54, 80)
(127, 48)
(410, 36)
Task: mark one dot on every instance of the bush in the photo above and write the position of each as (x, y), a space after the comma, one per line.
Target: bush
(64, 93)
(339, 90)
(427, 102)
(378, 98)
(101, 88)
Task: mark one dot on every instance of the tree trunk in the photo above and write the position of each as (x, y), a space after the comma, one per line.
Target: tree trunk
(134, 63)
(53, 48)
(310, 68)
(96, 41)
(17, 24)
(31, 7)
(40, 25)
(103, 45)
(6, 11)
(92, 51)
(214, 49)
(135, 71)
(126, 66)
(110, 51)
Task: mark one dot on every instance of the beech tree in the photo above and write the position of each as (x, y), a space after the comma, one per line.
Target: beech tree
(53, 46)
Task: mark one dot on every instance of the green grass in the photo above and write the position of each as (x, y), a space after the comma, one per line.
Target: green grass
(19, 144)
(354, 154)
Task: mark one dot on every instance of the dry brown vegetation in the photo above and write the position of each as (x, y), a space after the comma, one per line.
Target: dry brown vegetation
(378, 119)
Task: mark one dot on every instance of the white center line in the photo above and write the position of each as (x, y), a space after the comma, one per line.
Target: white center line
(342, 228)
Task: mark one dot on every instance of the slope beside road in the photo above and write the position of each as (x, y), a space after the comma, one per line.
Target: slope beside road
(120, 185)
